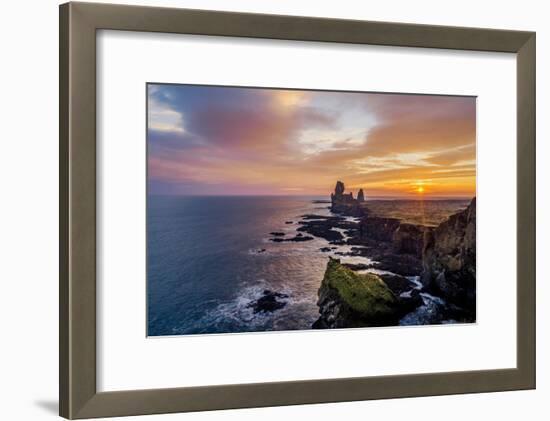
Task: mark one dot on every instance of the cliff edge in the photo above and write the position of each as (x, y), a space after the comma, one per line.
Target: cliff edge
(449, 259)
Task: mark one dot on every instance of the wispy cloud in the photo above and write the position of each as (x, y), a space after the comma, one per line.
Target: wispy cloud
(222, 140)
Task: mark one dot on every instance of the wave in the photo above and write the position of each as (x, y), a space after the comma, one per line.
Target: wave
(237, 315)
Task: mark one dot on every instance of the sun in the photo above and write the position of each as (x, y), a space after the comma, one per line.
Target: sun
(418, 187)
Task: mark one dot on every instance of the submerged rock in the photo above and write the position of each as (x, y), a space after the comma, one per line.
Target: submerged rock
(298, 238)
(268, 302)
(277, 234)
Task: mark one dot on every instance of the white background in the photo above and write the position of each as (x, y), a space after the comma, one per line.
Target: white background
(28, 217)
(128, 60)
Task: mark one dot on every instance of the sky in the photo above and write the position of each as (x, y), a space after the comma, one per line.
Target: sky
(208, 140)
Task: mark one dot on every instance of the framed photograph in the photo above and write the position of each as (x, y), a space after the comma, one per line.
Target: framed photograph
(261, 210)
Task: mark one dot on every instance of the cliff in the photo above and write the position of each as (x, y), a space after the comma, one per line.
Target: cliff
(443, 258)
(409, 239)
(377, 228)
(393, 245)
(404, 238)
(449, 259)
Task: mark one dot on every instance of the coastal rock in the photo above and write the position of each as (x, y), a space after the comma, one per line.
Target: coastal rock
(322, 230)
(322, 227)
(344, 203)
(377, 228)
(312, 216)
(405, 238)
(268, 302)
(409, 239)
(443, 258)
(339, 189)
(402, 264)
(356, 266)
(347, 299)
(277, 234)
(409, 301)
(407, 294)
(394, 246)
(398, 284)
(298, 238)
(449, 259)
(360, 196)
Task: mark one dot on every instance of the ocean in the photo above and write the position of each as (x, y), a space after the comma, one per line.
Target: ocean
(209, 257)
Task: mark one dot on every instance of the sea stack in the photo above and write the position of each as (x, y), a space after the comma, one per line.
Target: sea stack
(344, 203)
(339, 189)
(360, 196)
(339, 196)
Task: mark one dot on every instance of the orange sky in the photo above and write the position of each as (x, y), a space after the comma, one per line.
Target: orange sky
(220, 140)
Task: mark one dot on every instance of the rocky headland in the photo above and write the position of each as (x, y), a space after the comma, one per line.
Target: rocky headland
(407, 264)
(385, 271)
(350, 299)
(449, 259)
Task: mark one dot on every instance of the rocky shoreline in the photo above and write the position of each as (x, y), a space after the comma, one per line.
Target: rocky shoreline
(349, 299)
(435, 260)
(407, 273)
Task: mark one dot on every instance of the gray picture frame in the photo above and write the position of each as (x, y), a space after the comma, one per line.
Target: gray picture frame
(78, 394)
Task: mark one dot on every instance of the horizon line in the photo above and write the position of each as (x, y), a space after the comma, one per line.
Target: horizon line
(414, 197)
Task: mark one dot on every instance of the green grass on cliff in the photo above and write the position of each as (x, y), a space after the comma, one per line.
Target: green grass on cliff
(365, 293)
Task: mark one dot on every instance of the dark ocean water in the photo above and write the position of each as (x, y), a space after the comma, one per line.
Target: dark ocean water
(204, 265)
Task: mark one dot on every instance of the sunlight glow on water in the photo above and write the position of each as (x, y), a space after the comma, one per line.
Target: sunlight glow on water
(208, 258)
